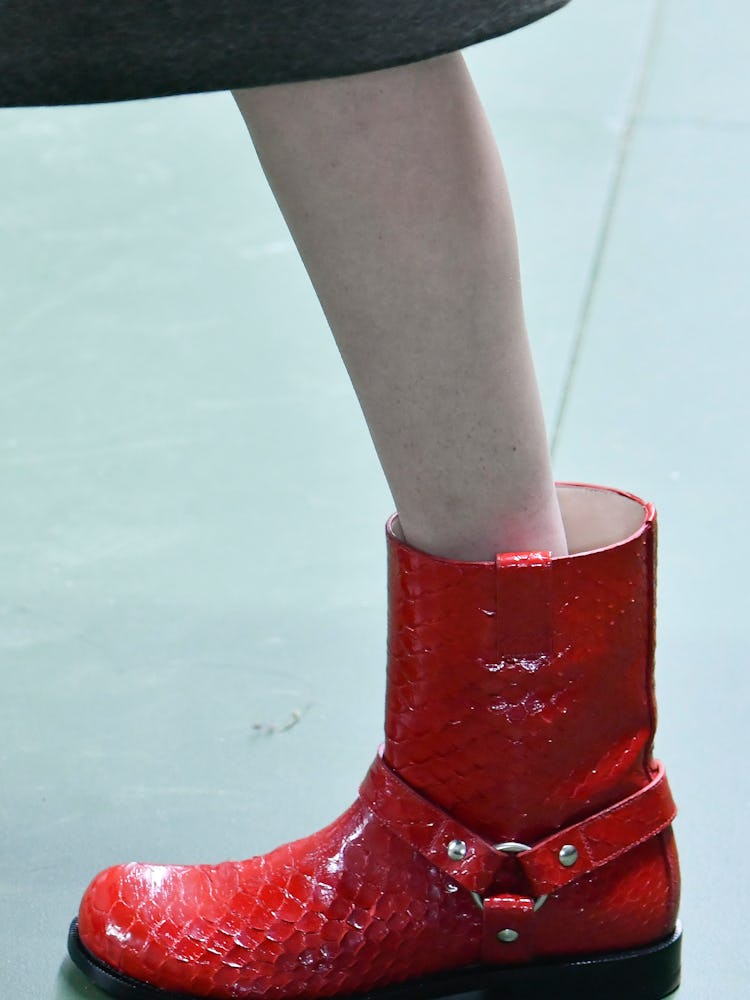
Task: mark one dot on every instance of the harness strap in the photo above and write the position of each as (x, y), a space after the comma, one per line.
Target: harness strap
(475, 863)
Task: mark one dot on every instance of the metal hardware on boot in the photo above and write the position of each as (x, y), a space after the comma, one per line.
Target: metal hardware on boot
(457, 850)
(511, 847)
(568, 855)
(538, 903)
(508, 936)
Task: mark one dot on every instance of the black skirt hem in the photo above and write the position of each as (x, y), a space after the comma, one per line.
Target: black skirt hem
(105, 57)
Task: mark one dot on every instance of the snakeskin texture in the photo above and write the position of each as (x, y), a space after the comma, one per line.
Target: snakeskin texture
(517, 746)
(349, 908)
(520, 701)
(597, 840)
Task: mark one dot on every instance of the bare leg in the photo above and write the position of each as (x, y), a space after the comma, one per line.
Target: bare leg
(394, 192)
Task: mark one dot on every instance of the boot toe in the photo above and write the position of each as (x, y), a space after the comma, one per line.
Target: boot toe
(128, 916)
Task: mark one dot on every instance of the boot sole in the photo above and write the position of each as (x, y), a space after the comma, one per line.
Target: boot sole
(638, 974)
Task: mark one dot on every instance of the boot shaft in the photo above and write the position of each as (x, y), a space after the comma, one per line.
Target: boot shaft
(521, 691)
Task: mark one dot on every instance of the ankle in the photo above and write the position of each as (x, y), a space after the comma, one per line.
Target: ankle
(465, 539)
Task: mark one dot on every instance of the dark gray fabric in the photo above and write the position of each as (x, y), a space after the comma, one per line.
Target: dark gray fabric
(84, 51)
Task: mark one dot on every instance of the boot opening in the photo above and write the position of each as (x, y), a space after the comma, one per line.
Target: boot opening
(596, 518)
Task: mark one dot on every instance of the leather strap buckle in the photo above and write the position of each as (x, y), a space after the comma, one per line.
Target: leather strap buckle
(513, 847)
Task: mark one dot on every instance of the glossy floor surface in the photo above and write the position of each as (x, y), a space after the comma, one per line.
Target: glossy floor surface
(191, 512)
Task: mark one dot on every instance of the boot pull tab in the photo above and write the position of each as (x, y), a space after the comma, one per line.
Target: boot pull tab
(523, 606)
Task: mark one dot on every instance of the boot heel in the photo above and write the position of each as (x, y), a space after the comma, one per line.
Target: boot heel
(649, 973)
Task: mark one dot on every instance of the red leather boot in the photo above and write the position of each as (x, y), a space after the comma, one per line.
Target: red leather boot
(514, 834)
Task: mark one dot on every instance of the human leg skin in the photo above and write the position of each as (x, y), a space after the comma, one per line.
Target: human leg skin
(394, 192)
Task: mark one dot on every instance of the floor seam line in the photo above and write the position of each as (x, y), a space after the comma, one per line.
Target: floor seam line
(631, 120)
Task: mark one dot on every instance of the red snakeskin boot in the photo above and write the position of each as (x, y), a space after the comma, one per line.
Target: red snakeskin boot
(513, 835)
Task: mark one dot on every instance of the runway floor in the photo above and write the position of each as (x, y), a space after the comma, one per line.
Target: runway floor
(192, 571)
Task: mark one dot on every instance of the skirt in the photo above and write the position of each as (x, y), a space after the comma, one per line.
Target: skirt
(84, 51)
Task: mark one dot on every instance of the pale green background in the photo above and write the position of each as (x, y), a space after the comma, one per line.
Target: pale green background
(191, 511)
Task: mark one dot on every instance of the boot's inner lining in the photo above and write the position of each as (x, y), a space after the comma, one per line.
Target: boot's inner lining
(594, 518)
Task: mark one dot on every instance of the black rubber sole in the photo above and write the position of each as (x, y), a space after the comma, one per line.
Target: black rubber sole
(640, 974)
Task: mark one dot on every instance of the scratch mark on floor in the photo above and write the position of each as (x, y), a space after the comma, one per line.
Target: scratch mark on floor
(273, 728)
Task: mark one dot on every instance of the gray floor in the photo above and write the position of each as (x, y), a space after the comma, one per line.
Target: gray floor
(191, 512)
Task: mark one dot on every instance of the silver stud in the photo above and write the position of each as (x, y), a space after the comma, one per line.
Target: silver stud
(507, 936)
(457, 850)
(568, 855)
